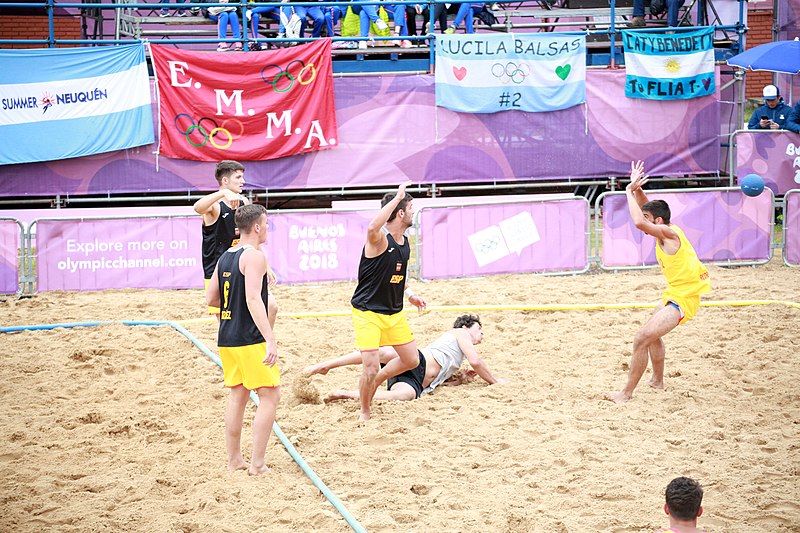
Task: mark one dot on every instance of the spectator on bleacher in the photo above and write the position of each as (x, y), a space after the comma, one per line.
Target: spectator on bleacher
(439, 14)
(332, 16)
(165, 12)
(673, 7)
(773, 114)
(314, 12)
(793, 121)
(466, 13)
(226, 16)
(253, 16)
(368, 14)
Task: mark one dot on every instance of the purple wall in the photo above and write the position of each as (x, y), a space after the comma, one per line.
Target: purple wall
(118, 253)
(390, 131)
(721, 225)
(547, 236)
(9, 251)
(773, 156)
(791, 227)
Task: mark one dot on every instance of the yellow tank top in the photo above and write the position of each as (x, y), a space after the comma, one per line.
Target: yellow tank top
(686, 275)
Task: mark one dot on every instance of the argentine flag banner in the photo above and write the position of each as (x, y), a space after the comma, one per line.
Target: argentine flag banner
(58, 103)
(669, 67)
(484, 73)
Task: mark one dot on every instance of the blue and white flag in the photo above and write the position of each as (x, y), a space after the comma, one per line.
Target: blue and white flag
(58, 103)
(485, 73)
(669, 67)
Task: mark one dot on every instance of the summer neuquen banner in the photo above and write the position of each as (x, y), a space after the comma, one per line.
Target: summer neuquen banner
(669, 67)
(482, 73)
(59, 103)
(245, 106)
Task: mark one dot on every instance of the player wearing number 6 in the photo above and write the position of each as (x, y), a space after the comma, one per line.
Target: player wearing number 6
(687, 279)
(246, 343)
(219, 229)
(377, 302)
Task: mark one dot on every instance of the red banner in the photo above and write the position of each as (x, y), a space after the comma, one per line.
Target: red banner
(247, 106)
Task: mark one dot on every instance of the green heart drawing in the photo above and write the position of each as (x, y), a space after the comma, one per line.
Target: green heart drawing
(563, 72)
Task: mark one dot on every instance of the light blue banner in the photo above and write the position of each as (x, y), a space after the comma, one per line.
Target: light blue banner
(669, 67)
(484, 73)
(73, 102)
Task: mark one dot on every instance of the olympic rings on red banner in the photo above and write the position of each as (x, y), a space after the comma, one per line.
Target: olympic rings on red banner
(511, 72)
(237, 121)
(273, 74)
(210, 134)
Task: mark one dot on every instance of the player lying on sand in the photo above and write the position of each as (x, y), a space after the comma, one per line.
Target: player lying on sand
(438, 364)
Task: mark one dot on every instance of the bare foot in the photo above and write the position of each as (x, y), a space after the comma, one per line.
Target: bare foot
(363, 416)
(656, 384)
(257, 471)
(337, 395)
(238, 465)
(617, 397)
(319, 368)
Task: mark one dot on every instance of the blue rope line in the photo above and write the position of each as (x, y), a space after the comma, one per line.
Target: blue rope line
(315, 479)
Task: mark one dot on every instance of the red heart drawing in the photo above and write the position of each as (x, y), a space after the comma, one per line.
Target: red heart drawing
(460, 72)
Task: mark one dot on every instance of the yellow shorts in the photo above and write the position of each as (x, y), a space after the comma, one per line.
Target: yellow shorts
(243, 365)
(374, 330)
(211, 310)
(688, 304)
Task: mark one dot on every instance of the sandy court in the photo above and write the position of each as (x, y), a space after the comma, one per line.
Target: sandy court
(120, 428)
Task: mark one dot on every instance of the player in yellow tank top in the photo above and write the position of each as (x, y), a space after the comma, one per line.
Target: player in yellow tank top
(686, 276)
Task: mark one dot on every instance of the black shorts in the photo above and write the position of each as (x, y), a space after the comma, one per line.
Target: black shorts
(413, 377)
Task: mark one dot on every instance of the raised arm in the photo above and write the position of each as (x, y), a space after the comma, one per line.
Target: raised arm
(208, 205)
(637, 198)
(376, 238)
(475, 361)
(253, 265)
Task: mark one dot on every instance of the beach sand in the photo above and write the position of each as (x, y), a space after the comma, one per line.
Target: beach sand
(119, 428)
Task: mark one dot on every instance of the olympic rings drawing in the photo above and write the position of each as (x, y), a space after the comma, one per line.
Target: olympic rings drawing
(488, 245)
(511, 72)
(208, 135)
(273, 78)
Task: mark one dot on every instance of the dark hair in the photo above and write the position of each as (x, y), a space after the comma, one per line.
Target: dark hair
(684, 496)
(247, 215)
(226, 168)
(467, 321)
(658, 208)
(388, 197)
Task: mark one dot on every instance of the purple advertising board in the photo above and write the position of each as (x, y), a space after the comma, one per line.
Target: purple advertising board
(9, 251)
(321, 246)
(791, 229)
(543, 236)
(722, 225)
(775, 156)
(96, 254)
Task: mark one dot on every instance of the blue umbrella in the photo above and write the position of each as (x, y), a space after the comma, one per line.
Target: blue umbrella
(778, 56)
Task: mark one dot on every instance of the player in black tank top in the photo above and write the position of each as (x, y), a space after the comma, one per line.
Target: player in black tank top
(382, 279)
(236, 326)
(377, 302)
(218, 237)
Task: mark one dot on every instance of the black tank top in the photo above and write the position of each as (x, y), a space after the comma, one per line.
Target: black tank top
(217, 238)
(236, 326)
(381, 279)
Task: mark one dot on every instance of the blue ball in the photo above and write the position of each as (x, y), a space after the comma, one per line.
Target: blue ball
(752, 184)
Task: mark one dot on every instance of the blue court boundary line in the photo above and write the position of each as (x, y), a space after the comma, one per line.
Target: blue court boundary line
(315, 479)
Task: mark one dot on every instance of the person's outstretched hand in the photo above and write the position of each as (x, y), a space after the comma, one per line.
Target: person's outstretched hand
(637, 176)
